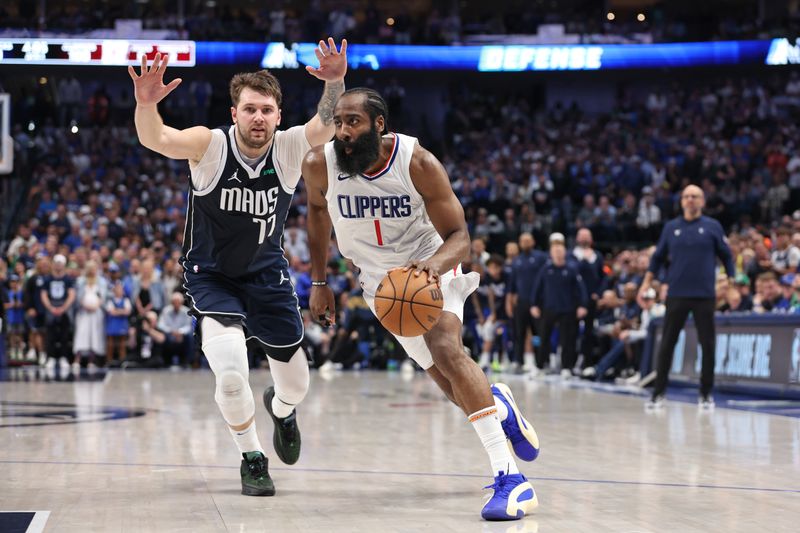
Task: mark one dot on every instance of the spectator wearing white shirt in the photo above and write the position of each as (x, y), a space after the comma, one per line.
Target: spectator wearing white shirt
(176, 325)
(70, 96)
(627, 338)
(785, 257)
(24, 238)
(295, 242)
(649, 218)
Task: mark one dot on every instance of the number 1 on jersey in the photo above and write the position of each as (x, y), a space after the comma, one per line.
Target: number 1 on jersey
(378, 232)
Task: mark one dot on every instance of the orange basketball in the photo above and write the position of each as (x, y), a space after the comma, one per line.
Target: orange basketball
(407, 305)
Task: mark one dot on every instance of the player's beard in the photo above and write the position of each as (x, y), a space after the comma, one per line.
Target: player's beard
(256, 144)
(364, 151)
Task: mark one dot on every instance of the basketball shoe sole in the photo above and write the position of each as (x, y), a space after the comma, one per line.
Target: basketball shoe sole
(520, 432)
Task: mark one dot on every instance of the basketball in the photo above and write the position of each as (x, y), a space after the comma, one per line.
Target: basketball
(408, 305)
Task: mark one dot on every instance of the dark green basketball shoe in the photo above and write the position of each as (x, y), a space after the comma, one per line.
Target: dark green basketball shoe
(286, 437)
(255, 475)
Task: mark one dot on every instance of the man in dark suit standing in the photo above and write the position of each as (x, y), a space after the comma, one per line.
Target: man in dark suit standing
(691, 244)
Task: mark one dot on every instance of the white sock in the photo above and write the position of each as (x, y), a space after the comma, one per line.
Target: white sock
(280, 408)
(502, 410)
(487, 425)
(247, 439)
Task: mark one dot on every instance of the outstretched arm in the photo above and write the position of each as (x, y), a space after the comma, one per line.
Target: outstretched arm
(332, 68)
(319, 225)
(445, 211)
(149, 90)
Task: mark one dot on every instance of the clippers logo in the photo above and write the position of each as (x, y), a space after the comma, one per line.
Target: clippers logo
(359, 206)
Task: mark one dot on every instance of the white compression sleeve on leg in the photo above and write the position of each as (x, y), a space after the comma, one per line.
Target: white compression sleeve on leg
(226, 352)
(291, 383)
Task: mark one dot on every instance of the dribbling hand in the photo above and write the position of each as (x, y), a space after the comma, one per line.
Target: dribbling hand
(148, 87)
(426, 266)
(322, 305)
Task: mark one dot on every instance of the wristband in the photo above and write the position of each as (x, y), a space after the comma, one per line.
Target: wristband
(318, 283)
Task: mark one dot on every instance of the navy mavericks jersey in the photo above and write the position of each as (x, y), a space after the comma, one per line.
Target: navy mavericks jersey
(235, 226)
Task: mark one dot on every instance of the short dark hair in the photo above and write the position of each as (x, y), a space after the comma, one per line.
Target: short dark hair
(497, 259)
(374, 104)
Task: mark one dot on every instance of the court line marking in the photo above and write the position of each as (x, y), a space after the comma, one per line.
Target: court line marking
(429, 474)
(37, 523)
(213, 500)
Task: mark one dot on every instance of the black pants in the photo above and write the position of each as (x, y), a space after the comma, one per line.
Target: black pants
(59, 337)
(589, 341)
(567, 333)
(170, 348)
(523, 322)
(678, 309)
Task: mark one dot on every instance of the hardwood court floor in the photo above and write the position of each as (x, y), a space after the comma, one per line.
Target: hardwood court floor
(148, 451)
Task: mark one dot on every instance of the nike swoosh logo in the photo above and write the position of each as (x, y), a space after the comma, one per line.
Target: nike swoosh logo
(342, 177)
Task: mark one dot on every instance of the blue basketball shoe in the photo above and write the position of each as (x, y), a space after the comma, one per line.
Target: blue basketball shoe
(513, 498)
(519, 431)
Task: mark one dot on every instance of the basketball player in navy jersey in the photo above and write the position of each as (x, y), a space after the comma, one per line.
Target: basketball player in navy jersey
(242, 180)
(391, 204)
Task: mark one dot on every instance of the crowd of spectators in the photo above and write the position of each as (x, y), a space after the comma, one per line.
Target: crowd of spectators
(100, 240)
(619, 173)
(401, 23)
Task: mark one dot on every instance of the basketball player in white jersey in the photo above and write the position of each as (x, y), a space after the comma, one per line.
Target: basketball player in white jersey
(243, 176)
(391, 205)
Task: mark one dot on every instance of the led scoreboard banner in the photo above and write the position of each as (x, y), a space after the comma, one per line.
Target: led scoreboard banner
(511, 58)
(99, 52)
(484, 58)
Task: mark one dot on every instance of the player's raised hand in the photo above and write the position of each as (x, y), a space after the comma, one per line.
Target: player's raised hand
(322, 305)
(149, 88)
(332, 63)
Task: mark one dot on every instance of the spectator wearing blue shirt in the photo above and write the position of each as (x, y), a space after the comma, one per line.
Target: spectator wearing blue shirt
(73, 238)
(301, 279)
(118, 311)
(525, 269)
(58, 295)
(590, 266)
(691, 243)
(493, 318)
(559, 297)
(15, 317)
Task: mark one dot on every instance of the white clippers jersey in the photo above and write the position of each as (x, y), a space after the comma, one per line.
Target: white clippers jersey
(380, 219)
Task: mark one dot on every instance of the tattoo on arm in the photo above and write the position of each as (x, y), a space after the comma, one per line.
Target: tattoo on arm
(333, 89)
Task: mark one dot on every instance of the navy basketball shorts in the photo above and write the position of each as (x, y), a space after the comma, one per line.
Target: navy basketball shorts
(265, 304)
